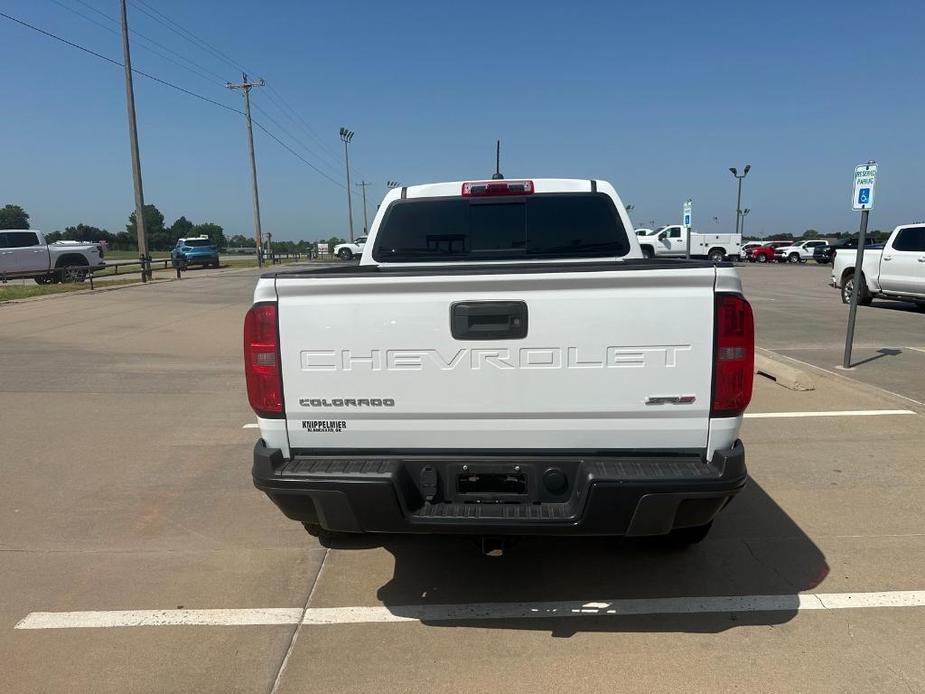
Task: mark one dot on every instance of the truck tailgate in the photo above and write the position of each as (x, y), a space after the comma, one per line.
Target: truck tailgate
(611, 359)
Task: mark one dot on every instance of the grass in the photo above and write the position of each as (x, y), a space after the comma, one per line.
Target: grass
(10, 292)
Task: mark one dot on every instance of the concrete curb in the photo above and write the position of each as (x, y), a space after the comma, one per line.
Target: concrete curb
(785, 375)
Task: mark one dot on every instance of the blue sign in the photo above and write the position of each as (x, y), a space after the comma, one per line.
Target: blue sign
(687, 220)
(864, 196)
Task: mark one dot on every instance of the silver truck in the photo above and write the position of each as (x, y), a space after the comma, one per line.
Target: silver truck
(26, 253)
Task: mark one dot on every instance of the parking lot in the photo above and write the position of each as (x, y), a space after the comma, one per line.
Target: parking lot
(127, 489)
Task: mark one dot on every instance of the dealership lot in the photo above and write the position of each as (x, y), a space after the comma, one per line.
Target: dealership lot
(127, 488)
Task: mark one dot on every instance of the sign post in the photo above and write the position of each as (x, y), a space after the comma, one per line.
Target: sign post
(688, 209)
(862, 198)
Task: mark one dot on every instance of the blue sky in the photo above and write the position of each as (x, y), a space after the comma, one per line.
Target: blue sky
(659, 98)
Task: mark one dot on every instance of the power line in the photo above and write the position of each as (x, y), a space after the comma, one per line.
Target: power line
(195, 71)
(178, 29)
(198, 66)
(296, 154)
(286, 132)
(172, 86)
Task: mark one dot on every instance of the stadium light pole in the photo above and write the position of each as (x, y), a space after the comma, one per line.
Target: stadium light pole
(346, 136)
(739, 178)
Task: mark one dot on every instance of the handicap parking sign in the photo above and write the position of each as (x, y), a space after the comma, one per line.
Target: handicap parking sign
(865, 180)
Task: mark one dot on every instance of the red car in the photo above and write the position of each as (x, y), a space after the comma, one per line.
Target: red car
(765, 253)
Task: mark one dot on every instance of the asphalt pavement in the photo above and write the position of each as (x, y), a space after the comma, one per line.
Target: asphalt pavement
(129, 524)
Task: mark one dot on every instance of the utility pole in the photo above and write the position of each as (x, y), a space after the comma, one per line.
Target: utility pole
(363, 184)
(143, 256)
(245, 88)
(345, 136)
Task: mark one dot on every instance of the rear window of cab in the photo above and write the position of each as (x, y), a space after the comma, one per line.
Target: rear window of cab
(542, 225)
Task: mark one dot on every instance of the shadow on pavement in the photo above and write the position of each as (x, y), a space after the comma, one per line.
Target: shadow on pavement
(753, 549)
(879, 355)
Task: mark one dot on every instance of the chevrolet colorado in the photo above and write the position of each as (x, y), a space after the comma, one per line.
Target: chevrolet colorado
(502, 361)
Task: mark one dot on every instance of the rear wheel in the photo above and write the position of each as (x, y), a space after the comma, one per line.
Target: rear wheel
(847, 288)
(716, 255)
(762, 258)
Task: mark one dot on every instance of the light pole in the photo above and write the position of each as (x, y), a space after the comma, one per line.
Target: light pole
(744, 214)
(735, 173)
(346, 136)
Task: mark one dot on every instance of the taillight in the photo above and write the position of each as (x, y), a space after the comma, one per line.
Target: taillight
(261, 361)
(487, 188)
(733, 356)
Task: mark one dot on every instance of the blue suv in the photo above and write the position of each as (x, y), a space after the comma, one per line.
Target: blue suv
(194, 251)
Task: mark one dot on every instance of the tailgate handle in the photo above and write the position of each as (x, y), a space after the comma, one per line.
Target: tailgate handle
(489, 320)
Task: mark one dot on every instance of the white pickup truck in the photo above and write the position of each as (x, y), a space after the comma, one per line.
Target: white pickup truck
(671, 242)
(896, 271)
(26, 253)
(503, 361)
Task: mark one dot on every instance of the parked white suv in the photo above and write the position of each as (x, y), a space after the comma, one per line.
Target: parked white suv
(896, 271)
(798, 252)
(26, 253)
(346, 251)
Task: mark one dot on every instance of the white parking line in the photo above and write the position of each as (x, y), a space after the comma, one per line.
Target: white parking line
(826, 413)
(318, 616)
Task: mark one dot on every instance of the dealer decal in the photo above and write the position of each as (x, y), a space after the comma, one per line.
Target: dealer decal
(324, 426)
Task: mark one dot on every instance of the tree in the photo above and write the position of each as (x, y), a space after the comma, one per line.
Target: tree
(810, 234)
(85, 232)
(13, 217)
(240, 241)
(215, 233)
(181, 229)
(158, 236)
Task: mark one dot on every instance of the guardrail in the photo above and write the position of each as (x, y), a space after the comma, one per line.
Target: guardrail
(88, 273)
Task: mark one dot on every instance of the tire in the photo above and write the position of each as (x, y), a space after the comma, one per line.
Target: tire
(345, 254)
(44, 279)
(72, 275)
(716, 255)
(847, 287)
(793, 258)
(647, 252)
(762, 259)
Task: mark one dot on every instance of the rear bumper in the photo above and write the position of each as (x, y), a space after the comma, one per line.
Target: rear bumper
(632, 495)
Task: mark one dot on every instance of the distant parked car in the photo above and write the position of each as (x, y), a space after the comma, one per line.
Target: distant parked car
(765, 253)
(747, 247)
(797, 252)
(194, 251)
(346, 251)
(826, 254)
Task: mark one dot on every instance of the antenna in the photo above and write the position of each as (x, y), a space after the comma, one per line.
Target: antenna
(497, 174)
